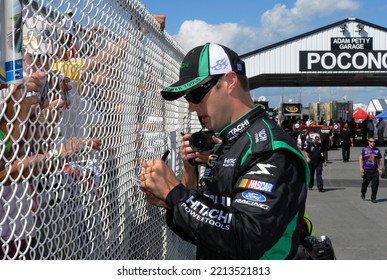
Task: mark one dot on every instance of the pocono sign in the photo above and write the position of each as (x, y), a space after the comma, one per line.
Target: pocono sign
(347, 54)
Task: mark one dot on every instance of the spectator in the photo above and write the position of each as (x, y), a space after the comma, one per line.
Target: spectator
(341, 122)
(20, 196)
(325, 133)
(371, 166)
(380, 128)
(315, 158)
(336, 133)
(254, 184)
(364, 129)
(296, 129)
(304, 138)
(16, 217)
(68, 38)
(347, 142)
(370, 128)
(352, 128)
(285, 125)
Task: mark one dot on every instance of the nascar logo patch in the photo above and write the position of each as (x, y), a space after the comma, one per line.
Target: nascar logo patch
(256, 185)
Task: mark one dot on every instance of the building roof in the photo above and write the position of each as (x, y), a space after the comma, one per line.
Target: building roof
(377, 105)
(285, 63)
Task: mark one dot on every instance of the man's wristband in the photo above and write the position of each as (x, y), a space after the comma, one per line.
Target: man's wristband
(7, 146)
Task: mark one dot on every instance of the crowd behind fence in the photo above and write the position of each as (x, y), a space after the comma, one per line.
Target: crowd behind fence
(68, 161)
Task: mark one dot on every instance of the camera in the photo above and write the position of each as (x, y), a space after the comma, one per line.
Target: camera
(202, 141)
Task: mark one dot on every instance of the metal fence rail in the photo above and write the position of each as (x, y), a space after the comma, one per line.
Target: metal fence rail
(67, 162)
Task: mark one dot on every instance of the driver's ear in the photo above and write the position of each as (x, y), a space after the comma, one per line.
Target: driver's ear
(231, 79)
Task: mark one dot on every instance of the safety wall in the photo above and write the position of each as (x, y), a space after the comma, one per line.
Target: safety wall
(71, 151)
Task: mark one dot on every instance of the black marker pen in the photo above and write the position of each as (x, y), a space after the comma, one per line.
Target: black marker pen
(165, 155)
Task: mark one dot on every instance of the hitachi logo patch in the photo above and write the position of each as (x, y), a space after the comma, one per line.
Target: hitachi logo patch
(213, 216)
(238, 129)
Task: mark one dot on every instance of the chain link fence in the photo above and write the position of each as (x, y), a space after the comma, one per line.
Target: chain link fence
(68, 158)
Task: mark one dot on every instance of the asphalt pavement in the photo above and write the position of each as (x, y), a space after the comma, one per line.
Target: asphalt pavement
(357, 228)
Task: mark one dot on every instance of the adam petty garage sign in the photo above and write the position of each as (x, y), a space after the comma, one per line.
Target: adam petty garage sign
(347, 54)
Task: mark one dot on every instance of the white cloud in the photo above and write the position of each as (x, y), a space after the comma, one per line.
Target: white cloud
(193, 33)
(277, 24)
(285, 22)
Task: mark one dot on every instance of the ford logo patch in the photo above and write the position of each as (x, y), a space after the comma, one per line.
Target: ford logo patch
(254, 196)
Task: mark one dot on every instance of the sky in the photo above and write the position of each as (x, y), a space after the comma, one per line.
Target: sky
(247, 25)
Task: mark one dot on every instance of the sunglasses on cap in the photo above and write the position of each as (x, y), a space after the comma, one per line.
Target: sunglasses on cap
(197, 95)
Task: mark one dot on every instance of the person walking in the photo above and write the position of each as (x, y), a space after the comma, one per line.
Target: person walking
(371, 166)
(336, 134)
(364, 129)
(296, 129)
(314, 157)
(370, 128)
(380, 128)
(347, 142)
(352, 128)
(250, 201)
(325, 134)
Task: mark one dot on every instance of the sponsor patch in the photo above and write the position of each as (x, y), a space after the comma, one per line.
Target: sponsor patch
(224, 200)
(261, 136)
(252, 203)
(253, 196)
(229, 162)
(262, 169)
(256, 185)
(238, 129)
(215, 217)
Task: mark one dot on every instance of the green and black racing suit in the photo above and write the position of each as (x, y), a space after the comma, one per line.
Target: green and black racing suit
(251, 198)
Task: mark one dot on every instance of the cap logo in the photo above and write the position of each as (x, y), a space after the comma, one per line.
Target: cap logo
(220, 64)
(184, 65)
